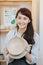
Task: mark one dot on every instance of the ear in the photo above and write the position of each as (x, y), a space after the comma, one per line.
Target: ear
(29, 20)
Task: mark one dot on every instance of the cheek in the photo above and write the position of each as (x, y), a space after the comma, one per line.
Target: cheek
(18, 20)
(26, 22)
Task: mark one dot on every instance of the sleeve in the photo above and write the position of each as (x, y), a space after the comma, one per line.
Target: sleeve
(35, 50)
(9, 35)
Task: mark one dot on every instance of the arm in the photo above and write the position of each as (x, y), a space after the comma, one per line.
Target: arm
(28, 57)
(7, 57)
(32, 58)
(8, 37)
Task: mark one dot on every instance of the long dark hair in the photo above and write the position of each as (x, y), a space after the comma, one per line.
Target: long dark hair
(29, 33)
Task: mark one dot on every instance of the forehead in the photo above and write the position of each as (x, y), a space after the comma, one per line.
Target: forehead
(21, 15)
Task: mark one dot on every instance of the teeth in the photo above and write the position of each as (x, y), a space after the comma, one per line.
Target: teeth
(21, 24)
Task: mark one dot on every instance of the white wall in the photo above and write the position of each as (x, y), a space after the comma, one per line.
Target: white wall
(41, 31)
(35, 14)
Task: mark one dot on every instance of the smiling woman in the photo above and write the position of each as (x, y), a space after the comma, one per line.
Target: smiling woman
(24, 23)
(24, 29)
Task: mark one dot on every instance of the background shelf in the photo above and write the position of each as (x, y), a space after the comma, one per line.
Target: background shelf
(15, 0)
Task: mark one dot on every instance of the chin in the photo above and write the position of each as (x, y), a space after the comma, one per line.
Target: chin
(22, 27)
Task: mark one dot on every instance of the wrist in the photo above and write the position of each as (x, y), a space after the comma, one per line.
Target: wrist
(28, 57)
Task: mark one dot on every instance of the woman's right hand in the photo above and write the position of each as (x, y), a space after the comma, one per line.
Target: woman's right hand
(6, 51)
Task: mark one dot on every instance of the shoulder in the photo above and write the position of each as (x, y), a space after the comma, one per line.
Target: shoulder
(11, 34)
(36, 35)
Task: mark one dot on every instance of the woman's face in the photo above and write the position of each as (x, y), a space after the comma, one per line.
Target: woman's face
(22, 21)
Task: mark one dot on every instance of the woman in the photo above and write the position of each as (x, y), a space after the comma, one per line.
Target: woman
(25, 29)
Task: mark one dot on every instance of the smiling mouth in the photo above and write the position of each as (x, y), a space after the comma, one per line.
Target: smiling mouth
(21, 24)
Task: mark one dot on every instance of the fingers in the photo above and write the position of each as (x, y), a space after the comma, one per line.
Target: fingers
(28, 48)
(6, 51)
(30, 45)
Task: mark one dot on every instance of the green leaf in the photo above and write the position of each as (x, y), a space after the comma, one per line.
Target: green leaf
(13, 21)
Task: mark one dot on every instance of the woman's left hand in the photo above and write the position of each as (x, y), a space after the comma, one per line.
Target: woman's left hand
(28, 47)
(28, 56)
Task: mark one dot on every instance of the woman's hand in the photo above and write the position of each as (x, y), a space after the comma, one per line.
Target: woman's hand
(28, 47)
(6, 51)
(28, 56)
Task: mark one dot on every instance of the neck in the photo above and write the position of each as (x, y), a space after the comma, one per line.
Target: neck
(21, 31)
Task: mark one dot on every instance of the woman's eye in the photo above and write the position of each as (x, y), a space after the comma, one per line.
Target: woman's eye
(24, 18)
(19, 17)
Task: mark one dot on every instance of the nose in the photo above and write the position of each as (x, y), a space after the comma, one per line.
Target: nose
(22, 20)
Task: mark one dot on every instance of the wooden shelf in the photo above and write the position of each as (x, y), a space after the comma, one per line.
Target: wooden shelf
(6, 29)
(2, 60)
(15, 0)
